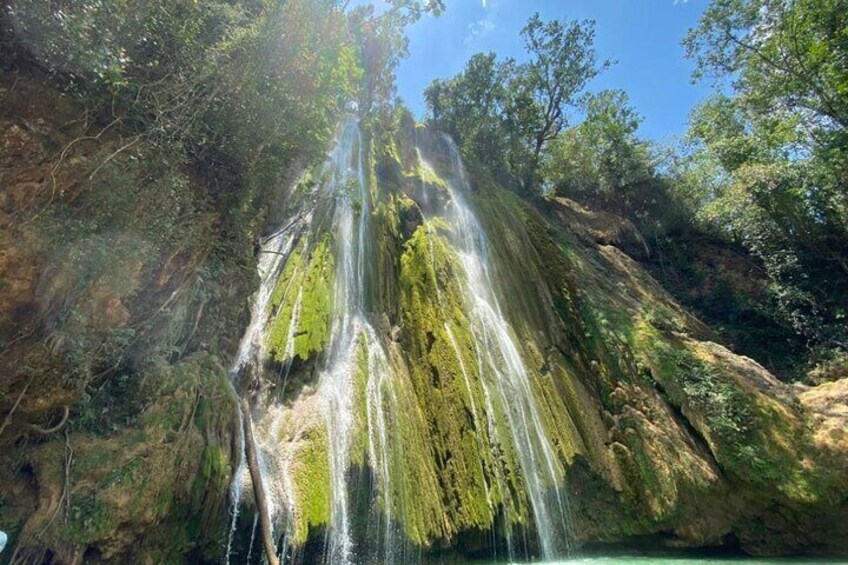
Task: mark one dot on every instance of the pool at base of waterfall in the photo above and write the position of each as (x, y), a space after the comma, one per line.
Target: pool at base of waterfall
(680, 560)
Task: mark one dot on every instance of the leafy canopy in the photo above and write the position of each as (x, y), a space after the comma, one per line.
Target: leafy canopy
(601, 158)
(768, 163)
(505, 112)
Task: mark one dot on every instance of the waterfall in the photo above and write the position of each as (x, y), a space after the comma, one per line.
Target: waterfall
(352, 328)
(354, 399)
(335, 379)
(502, 371)
(248, 358)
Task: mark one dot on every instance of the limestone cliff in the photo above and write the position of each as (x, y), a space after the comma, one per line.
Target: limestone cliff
(389, 383)
(124, 277)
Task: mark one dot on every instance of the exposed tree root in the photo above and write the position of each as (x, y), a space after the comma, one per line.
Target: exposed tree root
(8, 419)
(57, 427)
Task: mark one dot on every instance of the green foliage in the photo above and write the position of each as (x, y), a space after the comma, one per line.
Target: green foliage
(727, 408)
(169, 475)
(287, 80)
(767, 166)
(250, 84)
(752, 434)
(562, 62)
(599, 159)
(472, 107)
(89, 519)
(783, 58)
(149, 57)
(507, 113)
(383, 45)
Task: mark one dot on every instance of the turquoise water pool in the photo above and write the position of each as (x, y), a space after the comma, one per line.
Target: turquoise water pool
(665, 560)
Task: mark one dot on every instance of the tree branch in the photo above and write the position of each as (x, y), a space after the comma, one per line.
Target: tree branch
(830, 111)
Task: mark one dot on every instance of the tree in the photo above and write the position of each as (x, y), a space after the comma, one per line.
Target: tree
(384, 43)
(769, 164)
(784, 56)
(562, 62)
(471, 106)
(408, 11)
(506, 112)
(602, 156)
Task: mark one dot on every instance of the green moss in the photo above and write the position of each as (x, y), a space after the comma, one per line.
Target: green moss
(215, 468)
(424, 173)
(359, 433)
(311, 480)
(415, 492)
(89, 519)
(391, 151)
(432, 299)
(302, 302)
(170, 475)
(750, 433)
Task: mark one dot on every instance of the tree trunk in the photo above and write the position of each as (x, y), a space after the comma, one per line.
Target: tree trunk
(258, 488)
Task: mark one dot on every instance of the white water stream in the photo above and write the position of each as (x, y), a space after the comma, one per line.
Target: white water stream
(248, 359)
(501, 370)
(350, 330)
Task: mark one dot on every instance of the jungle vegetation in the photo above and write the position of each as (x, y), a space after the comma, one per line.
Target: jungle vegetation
(762, 169)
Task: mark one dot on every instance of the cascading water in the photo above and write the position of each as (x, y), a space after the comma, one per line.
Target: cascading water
(502, 370)
(345, 190)
(352, 329)
(355, 400)
(248, 359)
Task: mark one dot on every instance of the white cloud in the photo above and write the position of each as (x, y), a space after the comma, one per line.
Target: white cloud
(479, 29)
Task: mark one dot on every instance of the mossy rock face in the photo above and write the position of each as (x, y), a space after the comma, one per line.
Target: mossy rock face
(436, 340)
(398, 444)
(123, 302)
(659, 431)
(311, 480)
(101, 495)
(685, 436)
(753, 424)
(302, 303)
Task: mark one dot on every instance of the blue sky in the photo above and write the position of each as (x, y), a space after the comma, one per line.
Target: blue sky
(642, 35)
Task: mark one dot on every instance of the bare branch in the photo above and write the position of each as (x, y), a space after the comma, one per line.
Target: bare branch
(8, 419)
(258, 488)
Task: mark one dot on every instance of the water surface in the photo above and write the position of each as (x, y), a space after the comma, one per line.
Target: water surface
(673, 560)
